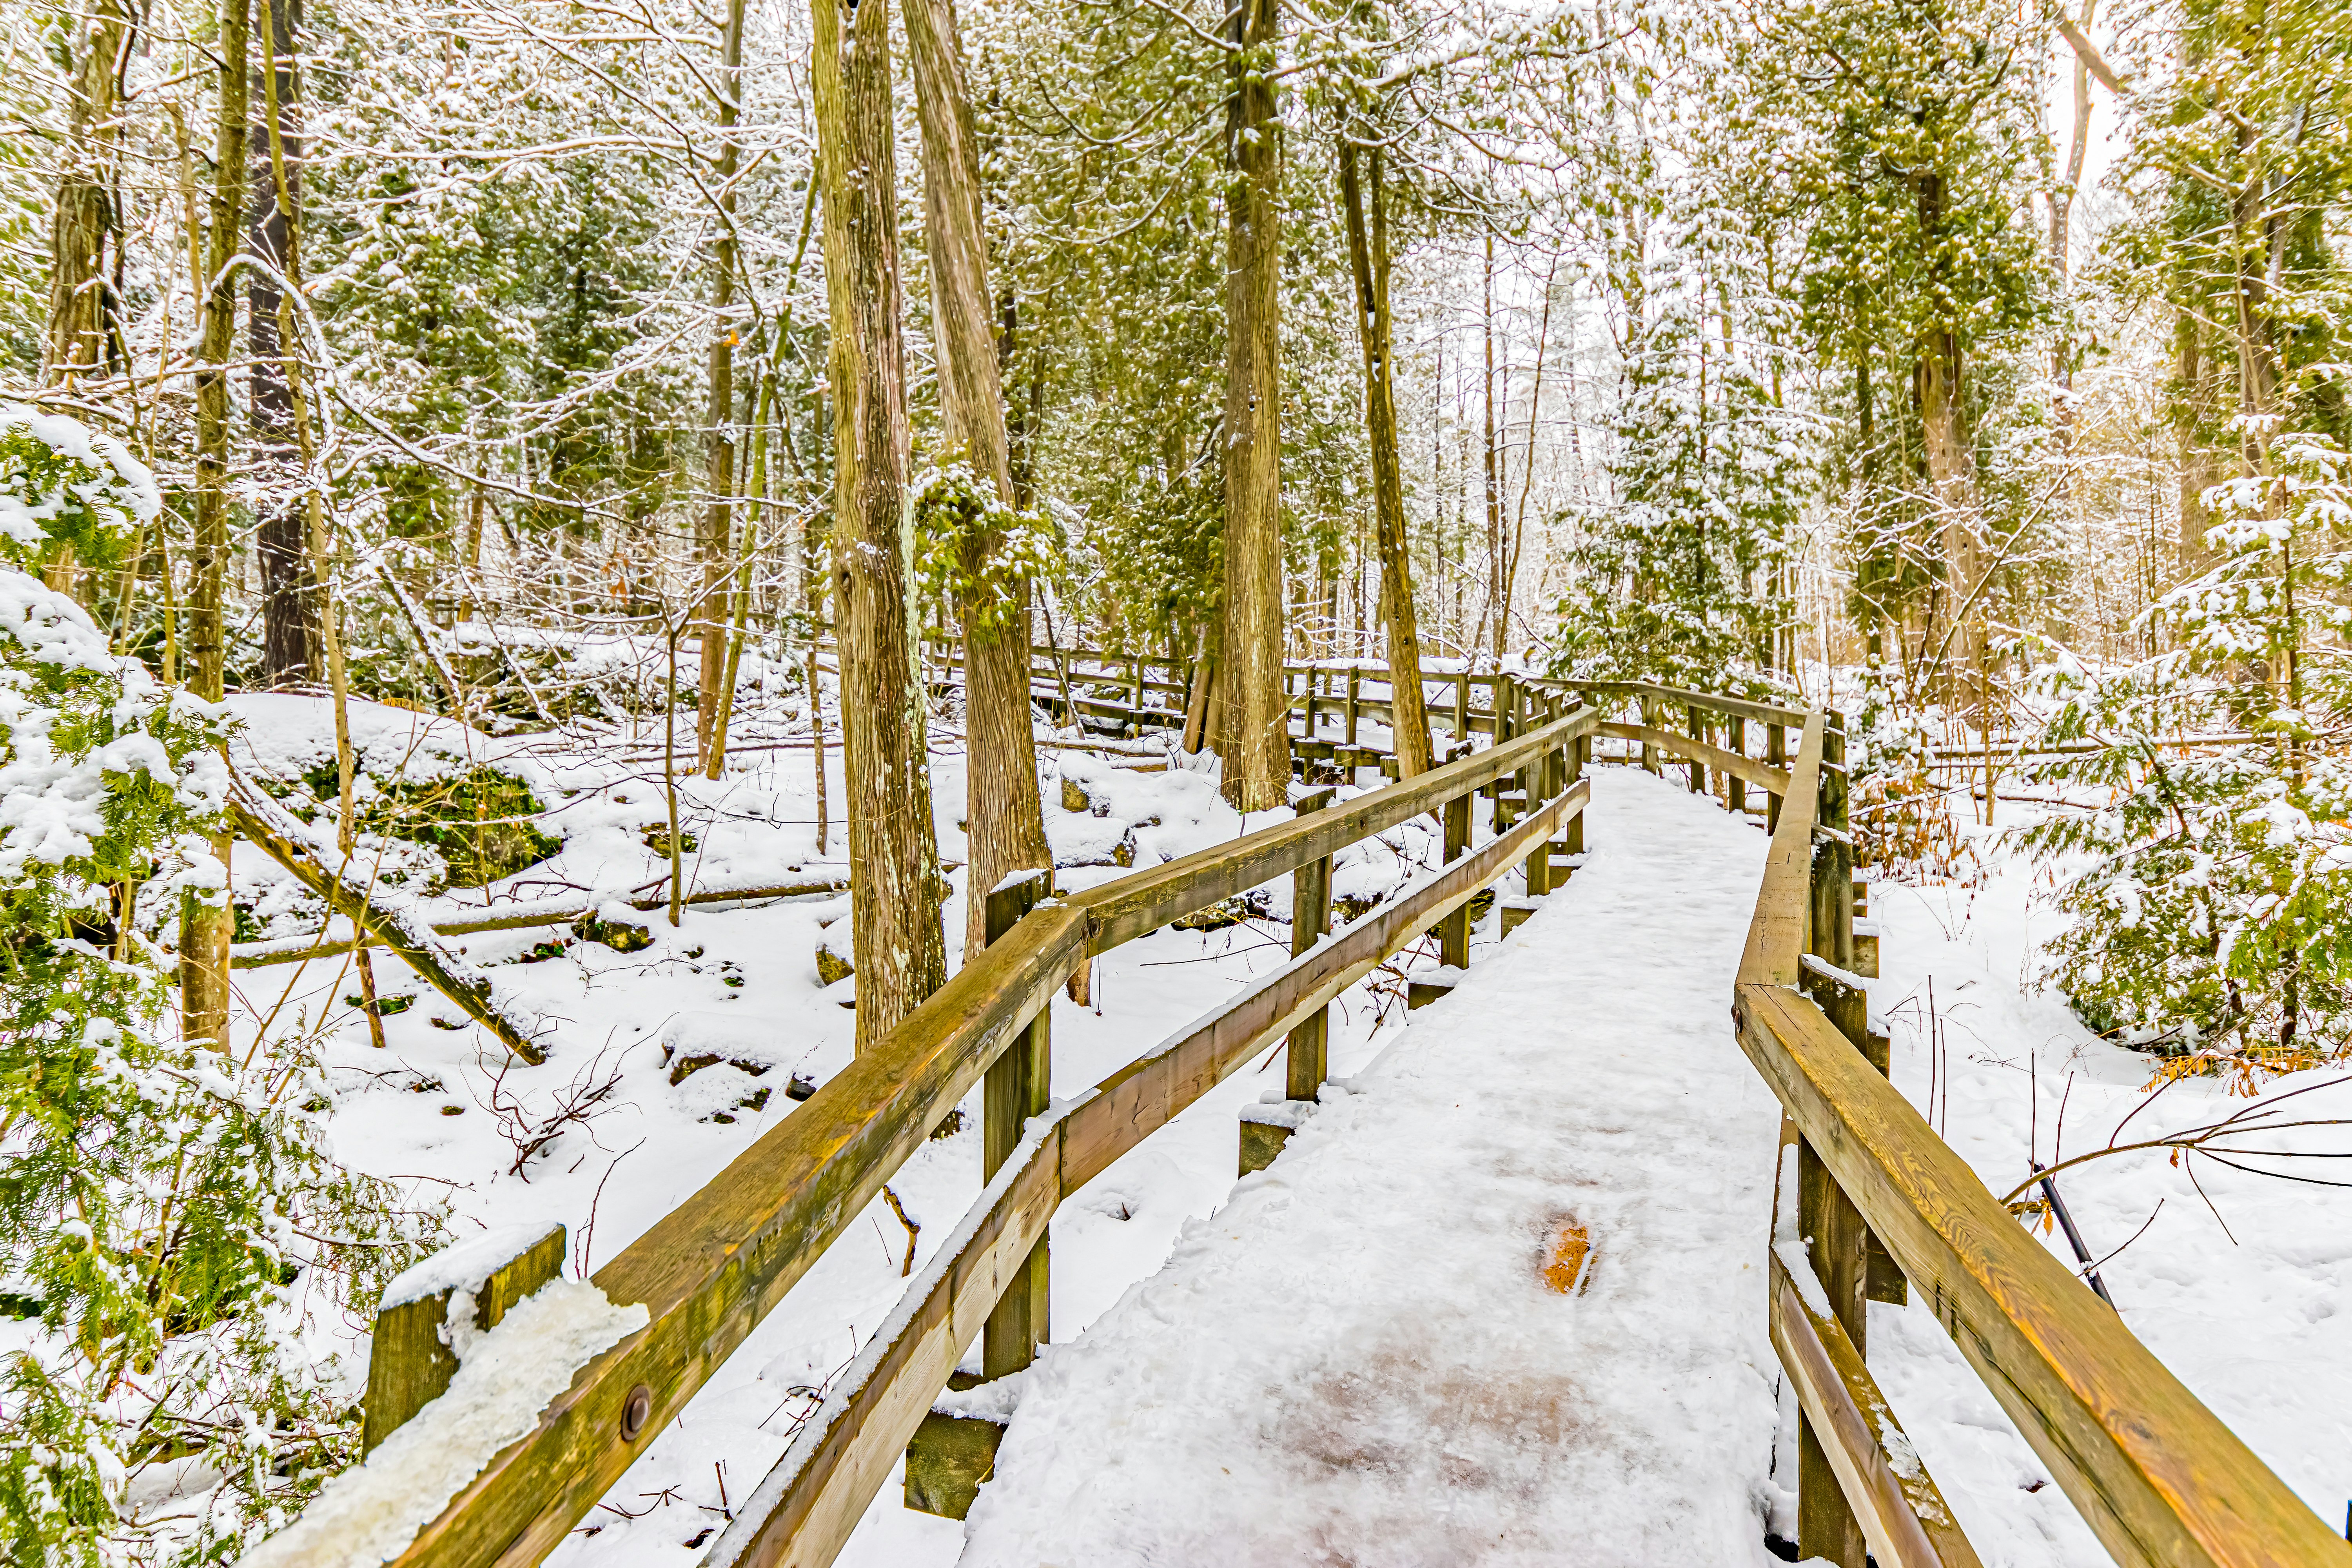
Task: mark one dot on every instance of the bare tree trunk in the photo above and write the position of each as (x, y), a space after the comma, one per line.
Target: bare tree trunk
(1005, 823)
(1952, 483)
(1368, 252)
(81, 305)
(206, 931)
(893, 854)
(1254, 736)
(718, 587)
(290, 617)
(1494, 470)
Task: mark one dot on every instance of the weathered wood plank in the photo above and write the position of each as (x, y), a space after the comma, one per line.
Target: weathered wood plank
(1776, 935)
(2160, 1480)
(1133, 906)
(724, 1259)
(1738, 707)
(800, 1515)
(1902, 1512)
(409, 1363)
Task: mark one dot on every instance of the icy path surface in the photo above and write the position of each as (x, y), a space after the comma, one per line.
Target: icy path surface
(1357, 1361)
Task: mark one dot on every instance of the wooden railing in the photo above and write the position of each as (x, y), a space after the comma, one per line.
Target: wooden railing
(715, 1266)
(1875, 1203)
(1878, 1205)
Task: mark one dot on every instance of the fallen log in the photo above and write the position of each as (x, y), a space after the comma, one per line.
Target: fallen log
(318, 945)
(322, 868)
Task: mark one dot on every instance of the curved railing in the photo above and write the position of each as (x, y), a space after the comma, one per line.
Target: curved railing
(1871, 1201)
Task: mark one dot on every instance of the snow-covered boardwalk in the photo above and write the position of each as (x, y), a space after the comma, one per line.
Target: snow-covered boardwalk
(1358, 1359)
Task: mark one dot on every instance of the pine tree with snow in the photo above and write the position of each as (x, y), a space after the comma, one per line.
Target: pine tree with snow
(2211, 895)
(171, 1214)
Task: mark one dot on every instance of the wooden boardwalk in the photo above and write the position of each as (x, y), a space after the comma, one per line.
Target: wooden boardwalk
(1361, 1359)
(1384, 1357)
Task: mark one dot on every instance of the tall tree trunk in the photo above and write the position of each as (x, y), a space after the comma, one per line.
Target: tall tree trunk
(1952, 483)
(1368, 253)
(719, 585)
(2198, 469)
(900, 955)
(1939, 384)
(1005, 823)
(1493, 467)
(289, 620)
(1254, 736)
(80, 307)
(204, 931)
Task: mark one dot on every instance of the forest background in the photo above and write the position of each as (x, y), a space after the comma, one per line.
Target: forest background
(1977, 368)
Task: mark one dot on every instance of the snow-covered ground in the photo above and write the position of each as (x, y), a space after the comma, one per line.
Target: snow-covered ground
(1358, 1358)
(740, 982)
(2247, 1314)
(2243, 1288)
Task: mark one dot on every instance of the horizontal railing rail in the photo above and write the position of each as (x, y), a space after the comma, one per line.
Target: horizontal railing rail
(718, 1263)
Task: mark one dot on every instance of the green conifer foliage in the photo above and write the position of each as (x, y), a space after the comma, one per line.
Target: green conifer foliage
(172, 1214)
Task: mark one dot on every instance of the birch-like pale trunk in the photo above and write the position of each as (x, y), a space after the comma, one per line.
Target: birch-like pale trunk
(895, 883)
(1004, 819)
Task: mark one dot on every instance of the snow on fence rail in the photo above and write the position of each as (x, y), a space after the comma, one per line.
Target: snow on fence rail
(710, 1271)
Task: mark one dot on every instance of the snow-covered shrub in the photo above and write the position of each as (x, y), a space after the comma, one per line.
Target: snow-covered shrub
(170, 1214)
(2213, 890)
(64, 484)
(1900, 814)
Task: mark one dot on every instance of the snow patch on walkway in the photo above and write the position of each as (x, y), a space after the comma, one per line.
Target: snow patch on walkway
(1357, 1360)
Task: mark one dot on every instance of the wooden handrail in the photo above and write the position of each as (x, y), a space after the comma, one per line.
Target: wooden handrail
(1734, 707)
(725, 1258)
(1737, 764)
(1125, 909)
(2157, 1477)
(718, 1263)
(806, 1509)
(1776, 934)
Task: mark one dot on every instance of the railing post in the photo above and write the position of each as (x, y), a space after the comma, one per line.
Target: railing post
(411, 1363)
(1776, 752)
(1018, 1086)
(1355, 700)
(1835, 1237)
(1462, 708)
(1836, 919)
(1580, 752)
(1454, 931)
(1545, 777)
(1310, 917)
(1698, 768)
(1647, 709)
(1735, 788)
